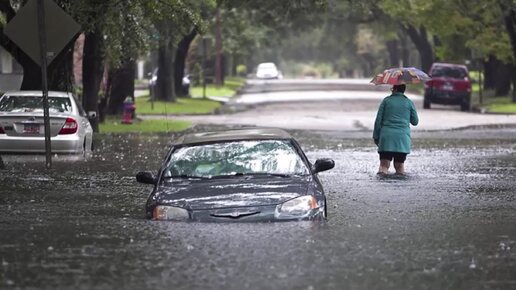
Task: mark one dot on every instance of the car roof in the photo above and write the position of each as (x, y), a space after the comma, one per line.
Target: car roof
(233, 135)
(266, 64)
(448, 65)
(37, 94)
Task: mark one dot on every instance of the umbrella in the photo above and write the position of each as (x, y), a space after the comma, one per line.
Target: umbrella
(402, 75)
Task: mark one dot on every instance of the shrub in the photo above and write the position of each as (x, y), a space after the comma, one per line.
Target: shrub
(241, 70)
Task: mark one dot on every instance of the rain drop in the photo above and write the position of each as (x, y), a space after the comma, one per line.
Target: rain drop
(472, 265)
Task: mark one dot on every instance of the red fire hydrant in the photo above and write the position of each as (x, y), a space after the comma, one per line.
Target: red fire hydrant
(129, 108)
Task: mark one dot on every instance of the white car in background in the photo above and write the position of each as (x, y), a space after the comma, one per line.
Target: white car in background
(22, 127)
(268, 70)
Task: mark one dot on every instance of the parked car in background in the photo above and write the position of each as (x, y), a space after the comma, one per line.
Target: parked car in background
(256, 174)
(22, 127)
(268, 70)
(153, 80)
(450, 85)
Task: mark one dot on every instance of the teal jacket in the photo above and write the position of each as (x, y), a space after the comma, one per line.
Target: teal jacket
(392, 125)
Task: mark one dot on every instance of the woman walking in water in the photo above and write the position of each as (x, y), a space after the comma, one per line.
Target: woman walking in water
(392, 129)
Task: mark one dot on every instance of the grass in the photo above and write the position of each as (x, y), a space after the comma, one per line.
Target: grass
(231, 84)
(190, 106)
(112, 125)
(501, 105)
(183, 106)
(212, 91)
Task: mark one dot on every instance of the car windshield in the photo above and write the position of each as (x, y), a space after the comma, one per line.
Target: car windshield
(451, 72)
(20, 104)
(236, 158)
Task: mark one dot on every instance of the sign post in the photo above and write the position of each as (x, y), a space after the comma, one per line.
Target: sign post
(44, 86)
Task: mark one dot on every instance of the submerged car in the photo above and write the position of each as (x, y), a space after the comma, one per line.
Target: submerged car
(246, 175)
(450, 85)
(22, 127)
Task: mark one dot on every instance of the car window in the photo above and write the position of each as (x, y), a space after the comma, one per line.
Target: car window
(451, 72)
(82, 112)
(241, 157)
(34, 104)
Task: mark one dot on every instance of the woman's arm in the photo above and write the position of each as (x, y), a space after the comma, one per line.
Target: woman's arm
(378, 122)
(414, 119)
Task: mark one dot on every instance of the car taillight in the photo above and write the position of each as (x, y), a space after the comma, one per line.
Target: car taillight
(69, 127)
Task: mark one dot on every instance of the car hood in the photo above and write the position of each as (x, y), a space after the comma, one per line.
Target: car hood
(232, 192)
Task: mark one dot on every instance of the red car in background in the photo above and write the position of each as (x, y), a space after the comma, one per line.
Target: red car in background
(450, 85)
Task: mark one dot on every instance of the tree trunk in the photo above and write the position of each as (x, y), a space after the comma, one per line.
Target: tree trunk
(218, 50)
(92, 71)
(497, 76)
(394, 52)
(121, 85)
(179, 63)
(405, 50)
(424, 47)
(510, 23)
(489, 72)
(165, 82)
(503, 79)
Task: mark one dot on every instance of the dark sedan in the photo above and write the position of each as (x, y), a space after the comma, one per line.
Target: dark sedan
(237, 175)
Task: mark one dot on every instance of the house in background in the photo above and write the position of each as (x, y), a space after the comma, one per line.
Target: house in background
(11, 73)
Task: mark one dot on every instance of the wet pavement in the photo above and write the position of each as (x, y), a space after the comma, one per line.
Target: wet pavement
(449, 224)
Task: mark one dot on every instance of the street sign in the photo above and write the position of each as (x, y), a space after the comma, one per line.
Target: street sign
(23, 29)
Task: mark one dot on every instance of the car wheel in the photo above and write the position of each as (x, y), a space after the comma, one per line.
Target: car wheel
(325, 209)
(464, 106)
(92, 145)
(426, 103)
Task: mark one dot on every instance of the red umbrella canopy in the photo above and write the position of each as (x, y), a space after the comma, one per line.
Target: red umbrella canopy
(402, 75)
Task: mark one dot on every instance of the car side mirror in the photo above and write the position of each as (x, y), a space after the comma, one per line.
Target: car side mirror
(323, 165)
(92, 115)
(146, 177)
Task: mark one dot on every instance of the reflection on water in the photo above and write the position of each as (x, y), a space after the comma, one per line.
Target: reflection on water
(448, 224)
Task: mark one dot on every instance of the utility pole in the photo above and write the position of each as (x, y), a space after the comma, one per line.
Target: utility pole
(218, 49)
(204, 52)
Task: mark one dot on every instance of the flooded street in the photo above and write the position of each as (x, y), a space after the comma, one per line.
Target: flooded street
(449, 224)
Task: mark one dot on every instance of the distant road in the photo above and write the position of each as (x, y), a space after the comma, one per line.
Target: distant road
(334, 105)
(262, 86)
(291, 90)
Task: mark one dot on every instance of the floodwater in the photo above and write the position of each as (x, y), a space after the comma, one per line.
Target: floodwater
(449, 224)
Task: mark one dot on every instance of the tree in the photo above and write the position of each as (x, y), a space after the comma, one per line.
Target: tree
(172, 21)
(510, 24)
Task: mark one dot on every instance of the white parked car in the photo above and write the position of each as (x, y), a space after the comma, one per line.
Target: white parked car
(267, 70)
(22, 127)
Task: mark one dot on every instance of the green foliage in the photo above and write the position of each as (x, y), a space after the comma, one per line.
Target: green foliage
(241, 70)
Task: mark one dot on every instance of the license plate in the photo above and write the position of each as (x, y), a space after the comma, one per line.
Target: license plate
(447, 87)
(31, 128)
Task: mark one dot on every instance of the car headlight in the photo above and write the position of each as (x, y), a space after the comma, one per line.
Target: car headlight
(296, 208)
(162, 212)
